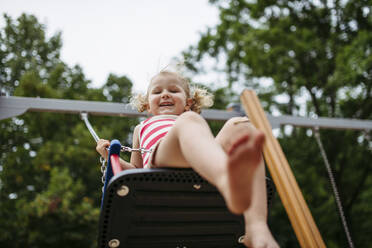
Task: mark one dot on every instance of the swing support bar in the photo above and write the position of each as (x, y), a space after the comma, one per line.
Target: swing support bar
(293, 201)
(11, 106)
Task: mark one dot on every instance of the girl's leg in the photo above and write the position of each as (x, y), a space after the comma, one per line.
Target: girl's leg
(227, 137)
(257, 231)
(192, 144)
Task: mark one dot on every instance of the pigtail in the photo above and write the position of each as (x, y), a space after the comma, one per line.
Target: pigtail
(201, 99)
(139, 102)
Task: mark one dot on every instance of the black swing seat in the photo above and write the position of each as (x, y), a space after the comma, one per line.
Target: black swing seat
(146, 208)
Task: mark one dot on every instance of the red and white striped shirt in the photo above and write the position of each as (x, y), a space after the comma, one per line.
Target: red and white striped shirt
(151, 131)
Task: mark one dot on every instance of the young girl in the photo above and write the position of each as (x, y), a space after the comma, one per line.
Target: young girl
(179, 137)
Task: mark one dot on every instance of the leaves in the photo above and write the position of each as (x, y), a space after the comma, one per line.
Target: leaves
(295, 43)
(24, 47)
(302, 57)
(307, 58)
(50, 179)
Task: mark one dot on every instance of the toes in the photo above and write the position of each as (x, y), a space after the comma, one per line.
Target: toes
(260, 140)
(257, 140)
(239, 142)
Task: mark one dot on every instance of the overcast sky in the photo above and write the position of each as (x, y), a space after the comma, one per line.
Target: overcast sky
(125, 37)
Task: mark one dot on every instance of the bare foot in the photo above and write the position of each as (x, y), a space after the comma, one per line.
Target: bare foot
(258, 235)
(243, 158)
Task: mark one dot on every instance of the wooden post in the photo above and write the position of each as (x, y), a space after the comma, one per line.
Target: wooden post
(294, 203)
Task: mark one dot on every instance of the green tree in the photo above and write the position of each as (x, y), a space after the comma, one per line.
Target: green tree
(25, 47)
(317, 57)
(50, 185)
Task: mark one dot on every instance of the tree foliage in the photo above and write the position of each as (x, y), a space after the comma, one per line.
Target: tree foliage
(50, 184)
(316, 56)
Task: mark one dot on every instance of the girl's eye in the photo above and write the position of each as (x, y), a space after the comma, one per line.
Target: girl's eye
(174, 90)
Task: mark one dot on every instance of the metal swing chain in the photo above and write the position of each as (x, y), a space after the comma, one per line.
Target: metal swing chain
(102, 160)
(334, 186)
(84, 117)
(103, 170)
(129, 149)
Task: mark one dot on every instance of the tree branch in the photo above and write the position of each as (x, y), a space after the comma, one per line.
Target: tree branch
(314, 100)
(357, 190)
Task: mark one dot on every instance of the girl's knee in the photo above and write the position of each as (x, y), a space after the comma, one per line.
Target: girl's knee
(238, 121)
(190, 116)
(238, 125)
(233, 129)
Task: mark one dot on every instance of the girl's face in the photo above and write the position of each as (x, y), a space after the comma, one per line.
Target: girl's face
(166, 96)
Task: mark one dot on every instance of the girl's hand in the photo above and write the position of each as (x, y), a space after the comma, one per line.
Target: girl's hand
(102, 146)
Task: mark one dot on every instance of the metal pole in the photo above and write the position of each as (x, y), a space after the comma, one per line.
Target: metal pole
(84, 117)
(13, 106)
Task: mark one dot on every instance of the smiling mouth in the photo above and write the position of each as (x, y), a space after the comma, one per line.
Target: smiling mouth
(166, 104)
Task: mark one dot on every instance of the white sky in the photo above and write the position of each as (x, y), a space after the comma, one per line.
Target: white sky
(125, 37)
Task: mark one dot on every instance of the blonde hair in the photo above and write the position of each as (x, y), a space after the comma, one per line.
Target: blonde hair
(201, 98)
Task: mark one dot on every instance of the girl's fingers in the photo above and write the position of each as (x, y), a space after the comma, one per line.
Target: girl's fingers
(102, 144)
(103, 141)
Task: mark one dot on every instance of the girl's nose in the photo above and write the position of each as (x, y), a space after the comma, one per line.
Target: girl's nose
(165, 94)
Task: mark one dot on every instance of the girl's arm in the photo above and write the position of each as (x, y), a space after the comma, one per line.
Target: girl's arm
(125, 165)
(136, 158)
